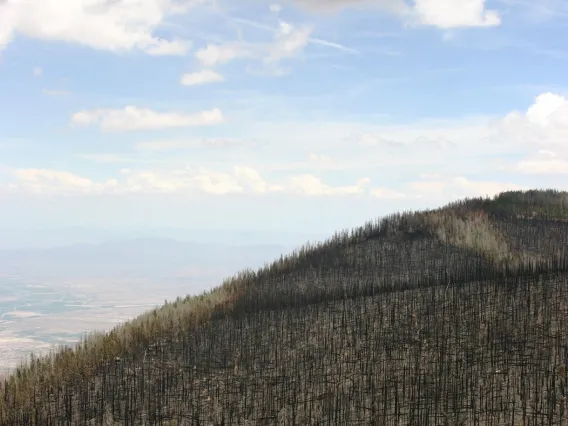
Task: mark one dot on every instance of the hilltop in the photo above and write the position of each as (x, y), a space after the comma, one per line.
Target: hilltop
(445, 316)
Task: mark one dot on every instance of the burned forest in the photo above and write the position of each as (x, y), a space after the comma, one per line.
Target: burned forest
(451, 316)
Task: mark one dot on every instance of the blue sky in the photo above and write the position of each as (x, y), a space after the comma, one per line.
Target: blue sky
(296, 115)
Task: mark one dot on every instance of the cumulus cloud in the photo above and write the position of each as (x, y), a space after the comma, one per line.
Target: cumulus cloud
(542, 125)
(46, 181)
(545, 122)
(249, 177)
(240, 180)
(201, 77)
(135, 118)
(448, 14)
(99, 24)
(245, 180)
(548, 109)
(455, 149)
(444, 14)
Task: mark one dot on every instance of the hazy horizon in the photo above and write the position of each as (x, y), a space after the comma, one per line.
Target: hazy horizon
(52, 296)
(50, 237)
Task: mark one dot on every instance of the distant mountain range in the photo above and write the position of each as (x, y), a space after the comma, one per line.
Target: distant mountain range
(59, 237)
(149, 257)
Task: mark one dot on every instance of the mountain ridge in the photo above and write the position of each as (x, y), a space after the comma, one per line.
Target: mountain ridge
(469, 241)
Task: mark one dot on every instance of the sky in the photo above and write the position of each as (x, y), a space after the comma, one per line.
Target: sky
(298, 115)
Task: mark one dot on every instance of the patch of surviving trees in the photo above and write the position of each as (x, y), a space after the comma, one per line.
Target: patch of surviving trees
(445, 317)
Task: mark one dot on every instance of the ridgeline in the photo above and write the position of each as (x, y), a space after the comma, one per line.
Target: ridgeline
(453, 316)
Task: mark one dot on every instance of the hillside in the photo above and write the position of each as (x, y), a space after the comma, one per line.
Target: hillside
(449, 316)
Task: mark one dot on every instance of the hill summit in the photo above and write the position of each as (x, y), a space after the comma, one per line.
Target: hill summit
(449, 316)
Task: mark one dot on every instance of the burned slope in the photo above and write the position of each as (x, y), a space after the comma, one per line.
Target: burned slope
(488, 352)
(407, 319)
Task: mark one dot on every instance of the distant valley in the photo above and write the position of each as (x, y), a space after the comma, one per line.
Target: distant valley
(51, 296)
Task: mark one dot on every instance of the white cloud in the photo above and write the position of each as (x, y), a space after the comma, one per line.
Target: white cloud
(336, 5)
(246, 180)
(458, 149)
(172, 145)
(455, 13)
(277, 30)
(241, 180)
(544, 163)
(201, 77)
(216, 183)
(548, 108)
(288, 41)
(215, 54)
(37, 71)
(45, 181)
(439, 13)
(248, 177)
(143, 181)
(311, 185)
(544, 123)
(56, 182)
(99, 24)
(543, 167)
(276, 8)
(135, 118)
